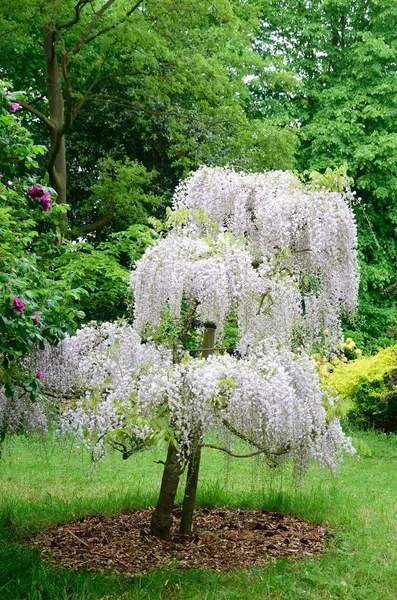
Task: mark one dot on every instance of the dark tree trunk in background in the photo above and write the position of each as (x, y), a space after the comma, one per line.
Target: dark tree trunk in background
(56, 163)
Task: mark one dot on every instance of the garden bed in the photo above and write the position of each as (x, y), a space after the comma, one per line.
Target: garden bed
(222, 540)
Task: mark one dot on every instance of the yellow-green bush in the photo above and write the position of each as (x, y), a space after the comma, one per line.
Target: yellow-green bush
(368, 388)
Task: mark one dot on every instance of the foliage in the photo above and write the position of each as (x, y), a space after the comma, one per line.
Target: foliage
(344, 352)
(369, 386)
(125, 190)
(345, 55)
(35, 306)
(103, 271)
(155, 84)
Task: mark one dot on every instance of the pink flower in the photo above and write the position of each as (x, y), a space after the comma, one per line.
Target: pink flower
(36, 317)
(18, 304)
(57, 242)
(14, 106)
(40, 375)
(45, 201)
(36, 192)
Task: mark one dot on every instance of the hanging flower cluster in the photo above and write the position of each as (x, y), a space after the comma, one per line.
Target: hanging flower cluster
(97, 357)
(272, 399)
(258, 246)
(21, 414)
(215, 274)
(312, 234)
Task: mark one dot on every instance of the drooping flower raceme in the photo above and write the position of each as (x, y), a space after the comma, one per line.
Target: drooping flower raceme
(76, 374)
(311, 233)
(215, 274)
(273, 400)
(21, 414)
(96, 358)
(260, 247)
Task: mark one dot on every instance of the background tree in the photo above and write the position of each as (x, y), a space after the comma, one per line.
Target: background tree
(153, 82)
(345, 55)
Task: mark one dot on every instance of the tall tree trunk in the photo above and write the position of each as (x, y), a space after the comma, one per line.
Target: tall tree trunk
(189, 499)
(56, 163)
(160, 525)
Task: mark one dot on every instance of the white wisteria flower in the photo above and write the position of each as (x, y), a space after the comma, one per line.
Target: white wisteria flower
(259, 247)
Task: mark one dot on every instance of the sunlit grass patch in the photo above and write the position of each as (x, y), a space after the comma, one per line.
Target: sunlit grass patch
(42, 485)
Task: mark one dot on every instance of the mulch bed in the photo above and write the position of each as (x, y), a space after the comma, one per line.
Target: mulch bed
(223, 540)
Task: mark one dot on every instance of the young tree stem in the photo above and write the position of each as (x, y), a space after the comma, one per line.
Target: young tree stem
(189, 499)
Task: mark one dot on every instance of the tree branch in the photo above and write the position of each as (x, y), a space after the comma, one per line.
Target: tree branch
(9, 31)
(99, 224)
(77, 10)
(230, 453)
(86, 34)
(68, 93)
(55, 147)
(251, 442)
(391, 288)
(89, 39)
(37, 113)
(86, 37)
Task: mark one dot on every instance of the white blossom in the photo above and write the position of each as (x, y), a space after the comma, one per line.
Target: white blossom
(311, 234)
(259, 246)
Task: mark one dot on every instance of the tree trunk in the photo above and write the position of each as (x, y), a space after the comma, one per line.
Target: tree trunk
(56, 163)
(161, 521)
(189, 499)
(2, 438)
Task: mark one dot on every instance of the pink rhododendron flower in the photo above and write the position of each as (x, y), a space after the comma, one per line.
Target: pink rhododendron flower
(36, 192)
(40, 375)
(18, 304)
(14, 106)
(45, 201)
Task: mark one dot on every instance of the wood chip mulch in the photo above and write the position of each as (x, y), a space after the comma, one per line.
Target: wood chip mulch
(222, 540)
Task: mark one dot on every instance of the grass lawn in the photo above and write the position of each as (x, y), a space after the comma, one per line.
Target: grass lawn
(42, 484)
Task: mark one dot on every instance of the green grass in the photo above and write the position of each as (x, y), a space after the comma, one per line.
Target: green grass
(42, 484)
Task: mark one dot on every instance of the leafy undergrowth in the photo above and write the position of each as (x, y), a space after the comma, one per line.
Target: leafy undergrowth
(43, 485)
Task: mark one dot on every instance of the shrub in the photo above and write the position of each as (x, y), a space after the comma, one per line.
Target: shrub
(369, 385)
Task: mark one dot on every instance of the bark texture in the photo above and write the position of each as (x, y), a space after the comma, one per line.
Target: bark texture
(56, 164)
(160, 525)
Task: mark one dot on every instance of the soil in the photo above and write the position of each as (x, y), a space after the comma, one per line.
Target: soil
(222, 540)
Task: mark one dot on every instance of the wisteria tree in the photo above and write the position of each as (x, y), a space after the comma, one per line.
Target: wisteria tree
(261, 253)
